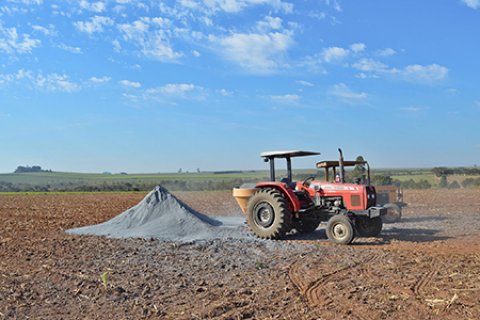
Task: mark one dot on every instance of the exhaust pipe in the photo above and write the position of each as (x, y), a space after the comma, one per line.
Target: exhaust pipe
(342, 167)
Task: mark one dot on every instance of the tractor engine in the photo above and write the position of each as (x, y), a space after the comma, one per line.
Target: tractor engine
(337, 196)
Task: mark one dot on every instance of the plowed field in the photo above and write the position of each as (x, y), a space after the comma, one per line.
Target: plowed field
(426, 267)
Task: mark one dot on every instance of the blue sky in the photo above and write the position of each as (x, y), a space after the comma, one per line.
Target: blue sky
(153, 86)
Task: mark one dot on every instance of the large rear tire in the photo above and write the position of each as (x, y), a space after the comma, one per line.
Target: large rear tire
(368, 227)
(268, 215)
(340, 229)
(394, 213)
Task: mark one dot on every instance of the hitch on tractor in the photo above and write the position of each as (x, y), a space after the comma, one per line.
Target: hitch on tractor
(274, 208)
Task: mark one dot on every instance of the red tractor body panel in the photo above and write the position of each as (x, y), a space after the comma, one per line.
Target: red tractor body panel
(354, 196)
(288, 192)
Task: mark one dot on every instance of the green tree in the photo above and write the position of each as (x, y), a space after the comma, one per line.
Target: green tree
(382, 180)
(442, 171)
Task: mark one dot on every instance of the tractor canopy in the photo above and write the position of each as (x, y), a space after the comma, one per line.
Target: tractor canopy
(327, 165)
(269, 156)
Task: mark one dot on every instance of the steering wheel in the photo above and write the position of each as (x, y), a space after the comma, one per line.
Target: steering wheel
(307, 180)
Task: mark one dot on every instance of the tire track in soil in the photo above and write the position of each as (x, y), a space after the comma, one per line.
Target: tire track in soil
(419, 288)
(367, 270)
(425, 280)
(295, 275)
(316, 294)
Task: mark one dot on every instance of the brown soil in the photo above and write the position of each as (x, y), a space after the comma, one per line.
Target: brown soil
(427, 267)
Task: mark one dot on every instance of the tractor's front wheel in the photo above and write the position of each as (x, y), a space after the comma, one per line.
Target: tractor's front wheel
(268, 215)
(340, 229)
(368, 227)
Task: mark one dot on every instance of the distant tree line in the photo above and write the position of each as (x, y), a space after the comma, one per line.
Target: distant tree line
(172, 185)
(386, 180)
(382, 180)
(466, 171)
(24, 169)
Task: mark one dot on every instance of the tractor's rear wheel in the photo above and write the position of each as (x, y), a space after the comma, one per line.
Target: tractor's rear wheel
(340, 229)
(268, 215)
(394, 213)
(368, 227)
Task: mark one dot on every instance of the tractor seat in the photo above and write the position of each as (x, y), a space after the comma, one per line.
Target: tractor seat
(289, 183)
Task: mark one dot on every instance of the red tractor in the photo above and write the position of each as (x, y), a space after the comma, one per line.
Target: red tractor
(274, 208)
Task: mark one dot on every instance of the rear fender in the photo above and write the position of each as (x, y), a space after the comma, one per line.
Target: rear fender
(290, 196)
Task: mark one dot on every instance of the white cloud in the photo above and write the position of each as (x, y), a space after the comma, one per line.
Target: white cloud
(190, 4)
(195, 53)
(55, 82)
(234, 6)
(151, 36)
(95, 24)
(23, 74)
(225, 5)
(135, 30)
(27, 2)
(305, 83)
(474, 4)
(130, 84)
(5, 79)
(412, 109)
(318, 15)
(207, 21)
(177, 88)
(48, 82)
(269, 23)
(97, 7)
(386, 52)
(225, 93)
(370, 65)
(75, 50)
(11, 42)
(286, 98)
(358, 47)
(48, 31)
(425, 74)
(19, 75)
(334, 4)
(117, 47)
(452, 91)
(158, 48)
(99, 80)
(344, 93)
(173, 91)
(332, 54)
(361, 75)
(255, 52)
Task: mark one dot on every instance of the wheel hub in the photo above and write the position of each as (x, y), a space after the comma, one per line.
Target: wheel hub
(339, 231)
(264, 214)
